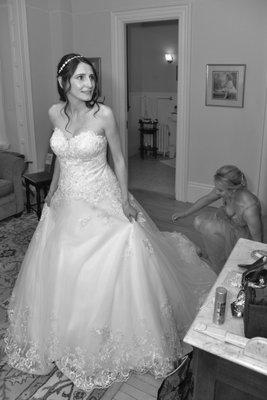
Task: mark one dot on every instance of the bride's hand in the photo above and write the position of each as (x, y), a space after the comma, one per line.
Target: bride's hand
(176, 216)
(48, 199)
(129, 211)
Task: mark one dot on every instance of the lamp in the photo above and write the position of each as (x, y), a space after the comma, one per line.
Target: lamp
(169, 57)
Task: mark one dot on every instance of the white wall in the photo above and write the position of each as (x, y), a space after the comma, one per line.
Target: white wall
(218, 135)
(147, 45)
(229, 31)
(92, 38)
(50, 36)
(41, 76)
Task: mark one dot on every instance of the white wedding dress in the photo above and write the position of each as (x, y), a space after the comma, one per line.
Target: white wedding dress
(97, 295)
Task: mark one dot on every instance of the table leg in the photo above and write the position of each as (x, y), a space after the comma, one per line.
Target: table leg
(142, 145)
(28, 193)
(155, 144)
(38, 198)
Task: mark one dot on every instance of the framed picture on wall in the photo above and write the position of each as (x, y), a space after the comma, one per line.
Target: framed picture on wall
(96, 61)
(225, 84)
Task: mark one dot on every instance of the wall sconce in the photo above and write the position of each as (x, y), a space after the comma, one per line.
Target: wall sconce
(169, 57)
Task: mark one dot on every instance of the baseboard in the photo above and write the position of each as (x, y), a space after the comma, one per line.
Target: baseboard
(196, 190)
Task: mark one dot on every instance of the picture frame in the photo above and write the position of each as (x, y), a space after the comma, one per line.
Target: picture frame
(96, 62)
(225, 85)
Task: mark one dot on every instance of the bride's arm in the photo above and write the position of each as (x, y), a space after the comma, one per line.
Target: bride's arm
(111, 131)
(56, 172)
(54, 183)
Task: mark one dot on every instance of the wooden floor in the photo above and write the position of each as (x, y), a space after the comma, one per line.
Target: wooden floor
(151, 174)
(138, 387)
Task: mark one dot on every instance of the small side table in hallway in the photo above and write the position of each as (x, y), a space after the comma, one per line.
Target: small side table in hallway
(41, 182)
(149, 128)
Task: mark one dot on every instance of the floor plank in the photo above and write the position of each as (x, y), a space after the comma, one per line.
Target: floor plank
(123, 396)
(112, 391)
(145, 387)
(136, 393)
(150, 174)
(147, 378)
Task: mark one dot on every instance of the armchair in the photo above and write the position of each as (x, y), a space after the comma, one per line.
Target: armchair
(12, 165)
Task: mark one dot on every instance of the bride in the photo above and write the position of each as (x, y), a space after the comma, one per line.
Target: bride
(101, 291)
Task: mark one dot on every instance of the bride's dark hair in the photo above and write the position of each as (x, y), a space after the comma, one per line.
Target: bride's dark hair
(65, 70)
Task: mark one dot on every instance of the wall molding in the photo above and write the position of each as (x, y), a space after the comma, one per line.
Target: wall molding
(262, 179)
(118, 51)
(196, 190)
(79, 13)
(22, 79)
(149, 102)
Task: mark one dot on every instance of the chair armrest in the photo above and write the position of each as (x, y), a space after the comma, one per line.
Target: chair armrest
(11, 168)
(11, 165)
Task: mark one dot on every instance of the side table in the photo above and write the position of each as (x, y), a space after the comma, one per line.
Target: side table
(40, 181)
(223, 370)
(148, 128)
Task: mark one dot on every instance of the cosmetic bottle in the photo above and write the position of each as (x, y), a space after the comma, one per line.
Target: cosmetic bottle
(219, 305)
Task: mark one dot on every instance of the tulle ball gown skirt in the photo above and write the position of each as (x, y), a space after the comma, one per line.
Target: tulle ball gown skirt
(100, 296)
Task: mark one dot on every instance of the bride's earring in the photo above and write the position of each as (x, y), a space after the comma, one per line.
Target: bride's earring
(59, 79)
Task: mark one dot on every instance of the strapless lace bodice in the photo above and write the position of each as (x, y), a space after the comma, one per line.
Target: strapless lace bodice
(84, 171)
(86, 146)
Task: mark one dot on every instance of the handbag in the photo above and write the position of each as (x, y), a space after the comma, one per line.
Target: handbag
(251, 300)
(255, 311)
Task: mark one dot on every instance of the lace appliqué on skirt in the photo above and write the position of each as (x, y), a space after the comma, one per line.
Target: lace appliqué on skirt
(115, 358)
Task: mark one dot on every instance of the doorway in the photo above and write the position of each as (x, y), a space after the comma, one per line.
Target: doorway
(119, 20)
(152, 99)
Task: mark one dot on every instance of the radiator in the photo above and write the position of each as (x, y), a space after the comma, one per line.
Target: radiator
(163, 139)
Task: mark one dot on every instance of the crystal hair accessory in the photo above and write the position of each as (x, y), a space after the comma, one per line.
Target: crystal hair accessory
(243, 180)
(66, 62)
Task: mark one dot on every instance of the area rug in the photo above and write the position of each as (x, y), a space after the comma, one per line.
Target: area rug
(15, 235)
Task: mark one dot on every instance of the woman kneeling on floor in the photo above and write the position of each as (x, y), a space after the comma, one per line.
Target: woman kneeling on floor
(239, 216)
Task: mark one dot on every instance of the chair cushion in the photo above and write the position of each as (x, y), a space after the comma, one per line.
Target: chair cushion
(6, 187)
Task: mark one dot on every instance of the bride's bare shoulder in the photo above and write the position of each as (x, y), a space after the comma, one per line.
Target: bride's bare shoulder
(105, 111)
(54, 112)
(106, 115)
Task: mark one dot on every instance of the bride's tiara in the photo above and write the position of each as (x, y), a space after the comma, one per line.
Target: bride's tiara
(66, 62)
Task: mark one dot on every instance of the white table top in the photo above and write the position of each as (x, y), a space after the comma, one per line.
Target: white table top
(229, 278)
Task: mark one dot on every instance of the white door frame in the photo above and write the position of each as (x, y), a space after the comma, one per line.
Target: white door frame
(262, 181)
(119, 88)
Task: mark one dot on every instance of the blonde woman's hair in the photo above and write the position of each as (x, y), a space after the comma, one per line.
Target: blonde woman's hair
(232, 176)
